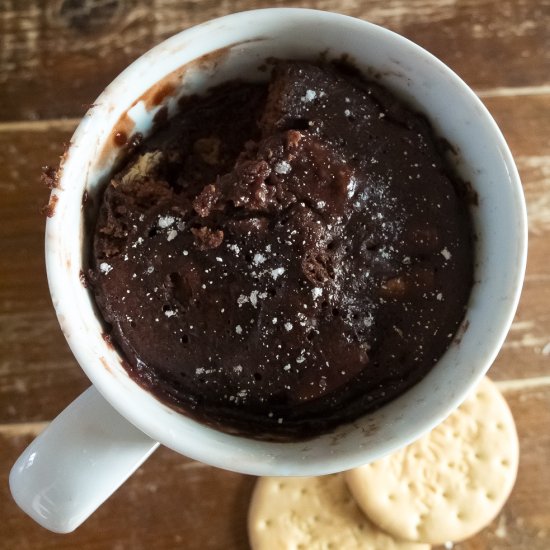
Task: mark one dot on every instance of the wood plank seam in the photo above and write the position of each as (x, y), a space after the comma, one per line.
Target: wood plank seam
(69, 124)
(506, 91)
(505, 386)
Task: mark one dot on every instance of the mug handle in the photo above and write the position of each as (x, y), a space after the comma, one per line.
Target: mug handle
(77, 462)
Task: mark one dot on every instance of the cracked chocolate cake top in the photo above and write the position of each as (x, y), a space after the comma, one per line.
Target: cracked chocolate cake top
(282, 258)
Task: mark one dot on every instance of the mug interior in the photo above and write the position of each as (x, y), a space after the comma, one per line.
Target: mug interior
(237, 46)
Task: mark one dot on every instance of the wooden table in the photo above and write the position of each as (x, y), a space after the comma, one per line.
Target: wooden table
(55, 58)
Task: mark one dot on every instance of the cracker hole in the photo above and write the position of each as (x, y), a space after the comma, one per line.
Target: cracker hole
(460, 516)
(499, 426)
(490, 496)
(391, 497)
(445, 495)
(304, 491)
(479, 456)
(505, 462)
(280, 486)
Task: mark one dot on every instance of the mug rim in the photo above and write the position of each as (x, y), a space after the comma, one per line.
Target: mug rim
(245, 459)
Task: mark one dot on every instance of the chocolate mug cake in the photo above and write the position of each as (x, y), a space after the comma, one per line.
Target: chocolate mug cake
(281, 258)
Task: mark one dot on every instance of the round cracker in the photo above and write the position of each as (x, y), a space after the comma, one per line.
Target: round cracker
(313, 513)
(450, 484)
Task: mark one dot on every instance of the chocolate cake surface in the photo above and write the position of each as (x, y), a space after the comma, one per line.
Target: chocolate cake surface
(282, 258)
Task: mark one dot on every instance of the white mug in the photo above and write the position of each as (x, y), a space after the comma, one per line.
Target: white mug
(92, 447)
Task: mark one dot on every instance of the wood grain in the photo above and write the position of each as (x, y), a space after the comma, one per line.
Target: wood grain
(57, 56)
(38, 375)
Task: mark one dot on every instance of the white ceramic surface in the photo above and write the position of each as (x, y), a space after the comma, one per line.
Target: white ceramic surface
(77, 462)
(484, 159)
